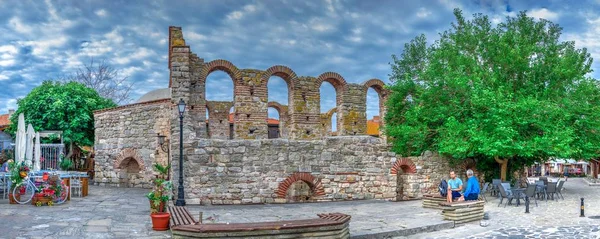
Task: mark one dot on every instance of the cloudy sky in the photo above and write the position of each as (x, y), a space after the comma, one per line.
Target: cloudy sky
(42, 40)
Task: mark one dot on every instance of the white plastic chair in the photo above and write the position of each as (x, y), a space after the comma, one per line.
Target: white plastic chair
(75, 184)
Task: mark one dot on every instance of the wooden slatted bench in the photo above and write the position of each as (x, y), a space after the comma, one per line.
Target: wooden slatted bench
(463, 212)
(180, 216)
(332, 225)
(433, 201)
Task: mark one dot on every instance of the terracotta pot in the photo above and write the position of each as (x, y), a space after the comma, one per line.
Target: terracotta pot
(12, 199)
(160, 221)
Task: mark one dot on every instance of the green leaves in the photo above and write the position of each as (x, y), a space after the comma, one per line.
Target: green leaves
(514, 91)
(62, 106)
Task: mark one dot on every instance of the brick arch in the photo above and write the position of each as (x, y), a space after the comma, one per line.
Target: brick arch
(404, 165)
(338, 82)
(284, 72)
(315, 184)
(126, 154)
(279, 107)
(330, 113)
(222, 65)
(378, 85)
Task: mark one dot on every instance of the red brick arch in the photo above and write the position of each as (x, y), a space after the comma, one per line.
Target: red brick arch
(128, 153)
(378, 85)
(338, 82)
(277, 106)
(284, 72)
(404, 165)
(222, 65)
(314, 183)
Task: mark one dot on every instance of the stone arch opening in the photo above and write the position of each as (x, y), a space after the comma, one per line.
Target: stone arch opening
(375, 125)
(339, 85)
(129, 166)
(401, 169)
(315, 187)
(274, 123)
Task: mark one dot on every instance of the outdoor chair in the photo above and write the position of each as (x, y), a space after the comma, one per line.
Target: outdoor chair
(559, 189)
(550, 191)
(495, 184)
(75, 185)
(503, 195)
(530, 192)
(540, 189)
(506, 187)
(483, 191)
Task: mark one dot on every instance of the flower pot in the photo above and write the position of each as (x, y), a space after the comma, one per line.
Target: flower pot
(12, 199)
(160, 221)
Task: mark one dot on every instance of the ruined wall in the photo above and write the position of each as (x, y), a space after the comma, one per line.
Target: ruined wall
(336, 168)
(126, 143)
(188, 79)
(218, 119)
(284, 120)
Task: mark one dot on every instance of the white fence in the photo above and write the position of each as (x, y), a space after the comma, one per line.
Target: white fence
(51, 155)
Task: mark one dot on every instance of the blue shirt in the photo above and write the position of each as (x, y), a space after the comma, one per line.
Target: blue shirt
(4, 167)
(455, 183)
(472, 186)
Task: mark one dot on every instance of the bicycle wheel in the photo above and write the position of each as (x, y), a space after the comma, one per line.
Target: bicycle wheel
(64, 193)
(23, 193)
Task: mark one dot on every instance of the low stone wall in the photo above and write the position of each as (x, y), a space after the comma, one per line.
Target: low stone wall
(336, 168)
(126, 145)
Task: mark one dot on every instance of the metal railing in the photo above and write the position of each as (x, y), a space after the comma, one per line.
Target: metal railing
(51, 155)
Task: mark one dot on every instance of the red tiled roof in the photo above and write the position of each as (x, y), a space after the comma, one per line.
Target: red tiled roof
(4, 120)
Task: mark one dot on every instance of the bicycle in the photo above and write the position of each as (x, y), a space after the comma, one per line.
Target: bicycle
(26, 190)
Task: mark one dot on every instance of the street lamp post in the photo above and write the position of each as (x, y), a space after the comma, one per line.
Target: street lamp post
(180, 197)
(165, 148)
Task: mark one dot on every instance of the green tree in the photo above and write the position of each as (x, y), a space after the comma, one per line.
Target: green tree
(507, 93)
(62, 106)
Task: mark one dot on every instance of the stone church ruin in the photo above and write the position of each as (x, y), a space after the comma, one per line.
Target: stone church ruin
(236, 161)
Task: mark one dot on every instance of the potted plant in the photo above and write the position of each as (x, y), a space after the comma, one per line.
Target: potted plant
(159, 197)
(18, 171)
(65, 164)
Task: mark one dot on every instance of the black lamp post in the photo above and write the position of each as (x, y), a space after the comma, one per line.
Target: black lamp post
(180, 197)
(165, 148)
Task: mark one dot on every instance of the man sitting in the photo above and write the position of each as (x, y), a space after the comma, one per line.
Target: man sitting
(454, 187)
(472, 190)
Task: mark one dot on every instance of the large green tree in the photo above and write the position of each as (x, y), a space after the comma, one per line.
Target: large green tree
(513, 92)
(62, 106)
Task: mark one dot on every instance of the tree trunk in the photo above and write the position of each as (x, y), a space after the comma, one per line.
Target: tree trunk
(503, 167)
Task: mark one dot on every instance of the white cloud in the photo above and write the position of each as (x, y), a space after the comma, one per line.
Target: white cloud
(235, 15)
(193, 36)
(19, 26)
(543, 13)
(423, 13)
(7, 63)
(3, 76)
(101, 13)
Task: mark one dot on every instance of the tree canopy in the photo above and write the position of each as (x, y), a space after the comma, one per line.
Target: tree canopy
(510, 92)
(62, 106)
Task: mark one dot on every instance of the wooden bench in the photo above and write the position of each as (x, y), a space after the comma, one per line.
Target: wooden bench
(332, 225)
(180, 216)
(463, 212)
(433, 201)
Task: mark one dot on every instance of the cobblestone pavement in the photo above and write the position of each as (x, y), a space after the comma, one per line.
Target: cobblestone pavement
(368, 217)
(551, 219)
(104, 213)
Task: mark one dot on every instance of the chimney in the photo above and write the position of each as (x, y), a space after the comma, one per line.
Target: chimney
(10, 112)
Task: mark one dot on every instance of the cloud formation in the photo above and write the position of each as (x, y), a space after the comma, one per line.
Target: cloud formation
(354, 38)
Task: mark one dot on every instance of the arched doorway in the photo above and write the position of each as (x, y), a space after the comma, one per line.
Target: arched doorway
(300, 187)
(401, 169)
(129, 165)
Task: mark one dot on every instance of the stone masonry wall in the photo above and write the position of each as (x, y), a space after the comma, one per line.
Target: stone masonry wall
(218, 119)
(337, 168)
(126, 144)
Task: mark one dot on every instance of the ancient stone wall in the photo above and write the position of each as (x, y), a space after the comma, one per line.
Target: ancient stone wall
(218, 119)
(188, 79)
(126, 144)
(336, 168)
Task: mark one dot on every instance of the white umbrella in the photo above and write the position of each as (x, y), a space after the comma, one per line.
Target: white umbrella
(20, 144)
(38, 153)
(29, 148)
